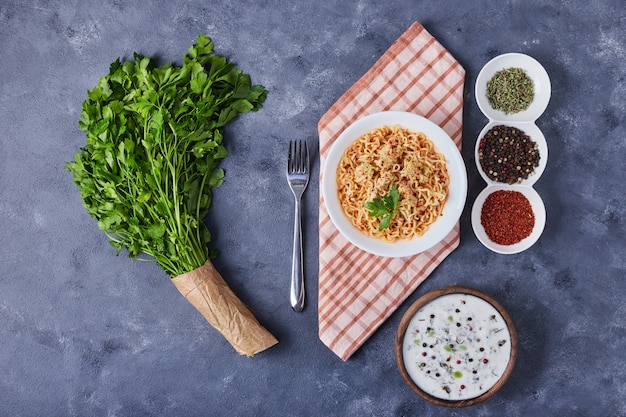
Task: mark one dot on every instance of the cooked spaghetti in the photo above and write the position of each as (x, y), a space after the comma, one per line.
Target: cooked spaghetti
(389, 156)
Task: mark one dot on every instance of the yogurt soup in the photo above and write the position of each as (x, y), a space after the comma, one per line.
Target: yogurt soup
(456, 347)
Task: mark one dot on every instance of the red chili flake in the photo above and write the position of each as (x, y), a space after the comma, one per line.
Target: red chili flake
(485, 360)
(424, 353)
(462, 386)
(458, 361)
(507, 217)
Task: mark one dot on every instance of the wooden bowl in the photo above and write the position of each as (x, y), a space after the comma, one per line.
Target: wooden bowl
(476, 336)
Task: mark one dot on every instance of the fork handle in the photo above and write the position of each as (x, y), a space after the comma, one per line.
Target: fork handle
(297, 271)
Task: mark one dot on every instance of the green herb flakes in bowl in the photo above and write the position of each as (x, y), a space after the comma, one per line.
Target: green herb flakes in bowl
(510, 90)
(513, 87)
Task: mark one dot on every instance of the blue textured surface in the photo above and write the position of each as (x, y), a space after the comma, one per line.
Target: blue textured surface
(86, 333)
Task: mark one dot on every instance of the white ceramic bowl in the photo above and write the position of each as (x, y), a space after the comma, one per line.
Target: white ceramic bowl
(541, 81)
(535, 135)
(538, 209)
(452, 209)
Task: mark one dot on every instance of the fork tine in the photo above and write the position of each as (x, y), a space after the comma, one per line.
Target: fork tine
(305, 157)
(290, 157)
(300, 157)
(295, 160)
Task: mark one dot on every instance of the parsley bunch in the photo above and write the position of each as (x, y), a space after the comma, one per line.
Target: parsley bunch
(384, 207)
(154, 140)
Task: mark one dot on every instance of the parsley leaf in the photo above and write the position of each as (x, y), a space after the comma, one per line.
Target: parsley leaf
(154, 140)
(384, 207)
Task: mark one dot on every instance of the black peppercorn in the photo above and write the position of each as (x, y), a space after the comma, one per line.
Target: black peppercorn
(506, 154)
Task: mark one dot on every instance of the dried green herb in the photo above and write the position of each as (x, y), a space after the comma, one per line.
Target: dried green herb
(510, 90)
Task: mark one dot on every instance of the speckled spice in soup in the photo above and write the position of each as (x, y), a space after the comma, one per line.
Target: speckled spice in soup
(456, 347)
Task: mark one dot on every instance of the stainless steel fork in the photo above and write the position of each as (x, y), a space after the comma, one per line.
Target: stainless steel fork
(298, 178)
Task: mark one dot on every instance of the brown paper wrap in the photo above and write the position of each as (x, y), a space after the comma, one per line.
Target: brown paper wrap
(207, 291)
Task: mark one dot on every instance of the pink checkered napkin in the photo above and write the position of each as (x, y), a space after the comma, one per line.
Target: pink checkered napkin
(358, 291)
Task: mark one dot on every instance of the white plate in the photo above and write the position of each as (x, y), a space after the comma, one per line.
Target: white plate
(538, 209)
(452, 209)
(535, 71)
(531, 130)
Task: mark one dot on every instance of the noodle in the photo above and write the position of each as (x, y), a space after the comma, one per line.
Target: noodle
(393, 156)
